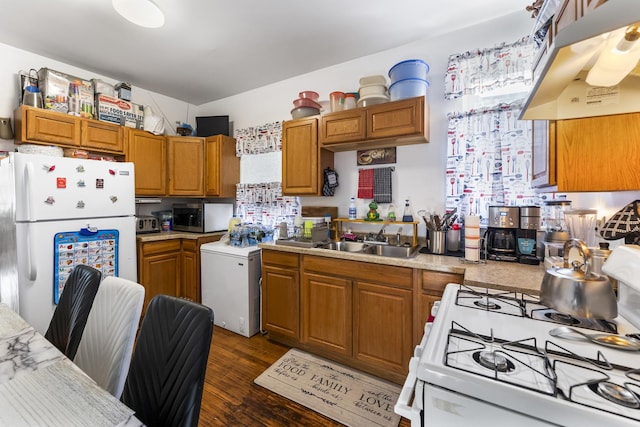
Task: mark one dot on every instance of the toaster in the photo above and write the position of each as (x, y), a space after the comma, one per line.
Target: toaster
(147, 224)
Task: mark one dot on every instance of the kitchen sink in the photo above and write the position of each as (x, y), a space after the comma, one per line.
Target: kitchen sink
(373, 249)
(347, 246)
(395, 251)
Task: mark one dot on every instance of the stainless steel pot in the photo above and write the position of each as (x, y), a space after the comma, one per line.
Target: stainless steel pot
(576, 292)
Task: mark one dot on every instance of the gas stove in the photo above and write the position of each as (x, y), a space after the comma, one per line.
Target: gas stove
(489, 358)
(494, 347)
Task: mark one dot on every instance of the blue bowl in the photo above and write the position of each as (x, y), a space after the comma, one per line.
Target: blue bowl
(409, 69)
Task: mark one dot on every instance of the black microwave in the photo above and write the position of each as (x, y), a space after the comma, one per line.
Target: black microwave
(202, 217)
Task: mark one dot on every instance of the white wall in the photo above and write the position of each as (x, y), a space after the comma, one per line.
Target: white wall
(15, 60)
(420, 168)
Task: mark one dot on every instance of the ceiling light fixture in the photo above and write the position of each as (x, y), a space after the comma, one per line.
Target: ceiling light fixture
(144, 13)
(616, 61)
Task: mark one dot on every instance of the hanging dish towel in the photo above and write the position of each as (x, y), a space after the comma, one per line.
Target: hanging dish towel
(365, 184)
(624, 223)
(382, 185)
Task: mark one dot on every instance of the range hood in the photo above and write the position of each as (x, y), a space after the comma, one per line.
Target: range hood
(560, 90)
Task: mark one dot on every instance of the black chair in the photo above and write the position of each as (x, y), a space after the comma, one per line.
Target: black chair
(166, 376)
(70, 316)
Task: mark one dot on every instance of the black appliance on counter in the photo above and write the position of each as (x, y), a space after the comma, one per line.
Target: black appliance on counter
(500, 236)
(511, 234)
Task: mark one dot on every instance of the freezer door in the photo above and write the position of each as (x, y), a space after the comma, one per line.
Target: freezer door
(54, 188)
(38, 267)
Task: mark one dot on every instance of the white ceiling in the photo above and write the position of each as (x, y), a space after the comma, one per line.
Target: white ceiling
(212, 49)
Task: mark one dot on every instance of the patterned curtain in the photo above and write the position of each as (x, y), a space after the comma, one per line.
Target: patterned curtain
(483, 71)
(489, 161)
(489, 149)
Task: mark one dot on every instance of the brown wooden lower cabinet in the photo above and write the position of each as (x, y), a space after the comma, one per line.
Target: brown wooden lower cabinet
(171, 267)
(281, 294)
(356, 313)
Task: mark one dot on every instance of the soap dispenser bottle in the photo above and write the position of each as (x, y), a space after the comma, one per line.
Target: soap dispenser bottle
(407, 216)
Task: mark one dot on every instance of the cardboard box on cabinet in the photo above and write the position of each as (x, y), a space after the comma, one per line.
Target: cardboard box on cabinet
(119, 111)
(55, 87)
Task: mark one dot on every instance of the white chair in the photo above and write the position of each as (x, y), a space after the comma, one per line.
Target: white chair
(107, 342)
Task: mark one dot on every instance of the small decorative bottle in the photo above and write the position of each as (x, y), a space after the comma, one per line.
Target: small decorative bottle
(391, 213)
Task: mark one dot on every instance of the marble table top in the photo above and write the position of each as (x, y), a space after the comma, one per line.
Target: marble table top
(40, 386)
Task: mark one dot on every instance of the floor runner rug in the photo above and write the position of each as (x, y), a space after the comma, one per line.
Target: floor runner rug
(343, 394)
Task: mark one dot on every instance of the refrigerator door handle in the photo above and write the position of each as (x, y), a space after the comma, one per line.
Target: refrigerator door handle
(28, 183)
(32, 269)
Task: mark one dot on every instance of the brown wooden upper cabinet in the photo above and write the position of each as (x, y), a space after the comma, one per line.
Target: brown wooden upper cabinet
(222, 167)
(40, 126)
(186, 166)
(591, 154)
(303, 161)
(149, 154)
(393, 123)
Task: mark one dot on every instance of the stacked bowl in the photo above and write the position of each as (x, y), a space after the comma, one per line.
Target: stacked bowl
(373, 90)
(408, 79)
(306, 105)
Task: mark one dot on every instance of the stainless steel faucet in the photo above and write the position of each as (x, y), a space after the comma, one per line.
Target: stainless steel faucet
(398, 236)
(379, 236)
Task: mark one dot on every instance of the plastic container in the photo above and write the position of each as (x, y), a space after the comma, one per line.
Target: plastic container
(373, 80)
(409, 69)
(408, 88)
(337, 101)
(372, 90)
(300, 112)
(349, 101)
(306, 102)
(367, 101)
(309, 94)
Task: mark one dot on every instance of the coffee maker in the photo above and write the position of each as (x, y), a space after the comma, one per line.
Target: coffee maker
(500, 236)
(526, 235)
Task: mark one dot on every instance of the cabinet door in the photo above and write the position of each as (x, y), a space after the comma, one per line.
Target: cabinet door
(383, 326)
(280, 301)
(401, 118)
(568, 13)
(102, 136)
(159, 268)
(300, 174)
(599, 153)
(222, 166)
(326, 313)
(149, 153)
(344, 126)
(190, 271)
(543, 162)
(51, 126)
(186, 166)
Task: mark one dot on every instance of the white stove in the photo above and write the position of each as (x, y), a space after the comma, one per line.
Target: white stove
(488, 359)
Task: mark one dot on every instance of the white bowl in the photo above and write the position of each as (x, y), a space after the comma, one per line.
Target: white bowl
(300, 112)
(368, 101)
(373, 80)
(372, 90)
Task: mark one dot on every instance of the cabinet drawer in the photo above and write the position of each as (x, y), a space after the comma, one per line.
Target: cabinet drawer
(377, 273)
(436, 281)
(103, 136)
(149, 248)
(343, 127)
(283, 259)
(52, 127)
(404, 119)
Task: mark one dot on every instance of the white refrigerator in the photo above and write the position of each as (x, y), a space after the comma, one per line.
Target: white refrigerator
(56, 213)
(230, 282)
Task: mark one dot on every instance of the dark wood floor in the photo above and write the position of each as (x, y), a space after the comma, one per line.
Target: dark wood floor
(230, 397)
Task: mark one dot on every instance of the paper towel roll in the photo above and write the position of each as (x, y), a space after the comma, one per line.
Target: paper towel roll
(472, 238)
